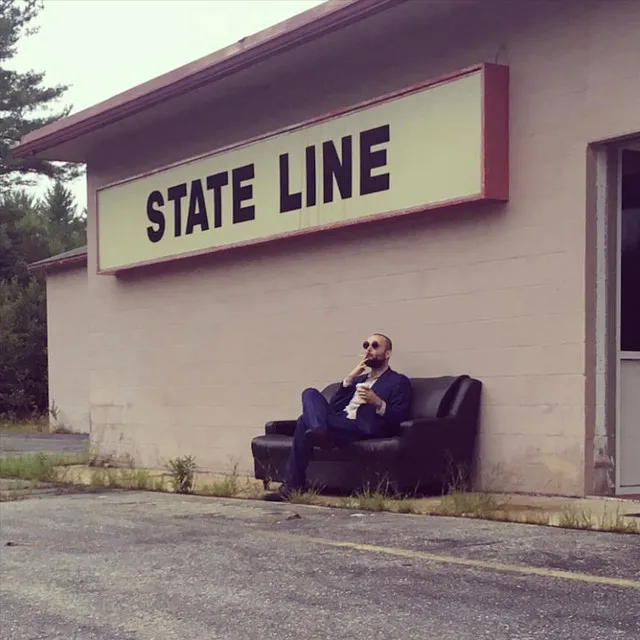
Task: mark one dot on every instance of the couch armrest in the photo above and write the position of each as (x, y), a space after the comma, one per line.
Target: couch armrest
(280, 427)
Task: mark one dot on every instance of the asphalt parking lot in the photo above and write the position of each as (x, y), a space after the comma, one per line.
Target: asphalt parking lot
(162, 566)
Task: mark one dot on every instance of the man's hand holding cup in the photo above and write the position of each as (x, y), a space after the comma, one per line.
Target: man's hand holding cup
(368, 396)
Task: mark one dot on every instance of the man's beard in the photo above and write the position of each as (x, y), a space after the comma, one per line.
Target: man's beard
(375, 363)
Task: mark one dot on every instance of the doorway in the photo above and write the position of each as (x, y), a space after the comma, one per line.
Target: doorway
(628, 330)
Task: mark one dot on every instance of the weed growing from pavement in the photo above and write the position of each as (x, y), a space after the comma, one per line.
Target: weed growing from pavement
(228, 487)
(308, 496)
(541, 518)
(618, 523)
(134, 479)
(460, 500)
(369, 499)
(475, 504)
(574, 519)
(406, 506)
(182, 471)
(581, 519)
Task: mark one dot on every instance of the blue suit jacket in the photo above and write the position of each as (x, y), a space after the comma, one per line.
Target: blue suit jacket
(392, 387)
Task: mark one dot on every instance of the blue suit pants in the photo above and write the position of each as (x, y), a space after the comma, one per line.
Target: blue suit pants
(316, 413)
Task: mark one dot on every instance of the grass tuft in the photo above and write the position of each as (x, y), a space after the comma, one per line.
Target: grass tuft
(618, 523)
(134, 479)
(370, 500)
(475, 504)
(615, 523)
(37, 424)
(40, 467)
(574, 519)
(532, 517)
(406, 506)
(228, 487)
(304, 497)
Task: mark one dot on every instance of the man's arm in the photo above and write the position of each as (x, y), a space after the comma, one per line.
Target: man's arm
(346, 389)
(398, 407)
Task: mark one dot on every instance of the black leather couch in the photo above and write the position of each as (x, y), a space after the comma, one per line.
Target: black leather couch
(429, 451)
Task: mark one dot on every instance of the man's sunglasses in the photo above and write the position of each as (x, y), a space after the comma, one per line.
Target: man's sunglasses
(374, 345)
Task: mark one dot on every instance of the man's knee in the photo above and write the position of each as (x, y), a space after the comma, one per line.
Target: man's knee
(310, 393)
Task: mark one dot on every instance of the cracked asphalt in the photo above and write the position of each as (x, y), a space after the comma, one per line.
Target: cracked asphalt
(160, 566)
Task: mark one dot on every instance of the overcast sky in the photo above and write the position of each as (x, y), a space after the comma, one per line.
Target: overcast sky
(103, 47)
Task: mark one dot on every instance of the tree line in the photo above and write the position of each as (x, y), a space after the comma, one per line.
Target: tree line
(31, 228)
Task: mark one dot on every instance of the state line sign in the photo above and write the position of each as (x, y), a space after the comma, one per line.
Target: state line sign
(424, 148)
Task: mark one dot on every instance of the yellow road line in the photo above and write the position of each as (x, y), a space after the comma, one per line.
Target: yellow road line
(480, 564)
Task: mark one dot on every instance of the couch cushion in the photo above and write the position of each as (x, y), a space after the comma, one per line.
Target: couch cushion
(278, 445)
(375, 446)
(433, 397)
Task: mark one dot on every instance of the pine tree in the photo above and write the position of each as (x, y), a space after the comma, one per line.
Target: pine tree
(23, 236)
(30, 230)
(67, 227)
(25, 101)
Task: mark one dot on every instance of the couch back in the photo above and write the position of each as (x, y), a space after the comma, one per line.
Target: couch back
(329, 390)
(444, 396)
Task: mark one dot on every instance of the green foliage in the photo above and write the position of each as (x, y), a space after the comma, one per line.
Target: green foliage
(26, 103)
(29, 231)
(21, 241)
(23, 355)
(66, 227)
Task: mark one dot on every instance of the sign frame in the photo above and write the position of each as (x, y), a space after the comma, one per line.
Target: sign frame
(494, 162)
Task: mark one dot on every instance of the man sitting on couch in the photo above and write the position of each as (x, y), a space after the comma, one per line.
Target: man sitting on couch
(366, 405)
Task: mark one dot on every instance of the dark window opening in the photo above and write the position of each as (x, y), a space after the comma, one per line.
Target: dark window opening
(630, 253)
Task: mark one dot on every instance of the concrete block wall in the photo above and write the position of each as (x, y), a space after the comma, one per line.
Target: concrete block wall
(195, 357)
(68, 348)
